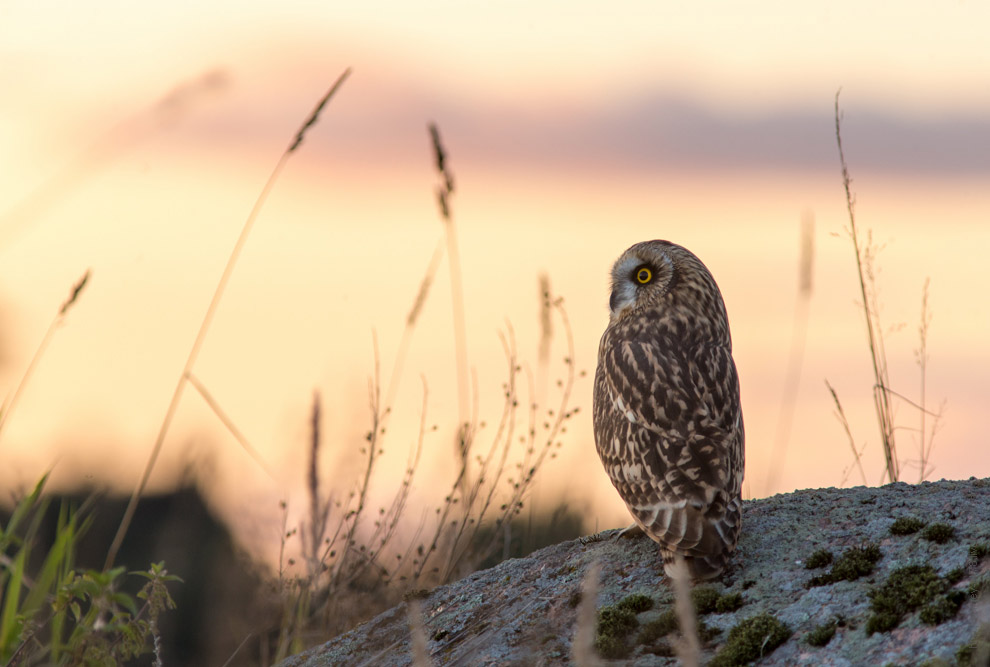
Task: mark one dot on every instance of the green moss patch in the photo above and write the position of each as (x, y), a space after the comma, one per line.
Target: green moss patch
(657, 628)
(821, 558)
(942, 608)
(979, 550)
(940, 533)
(907, 589)
(707, 600)
(704, 599)
(979, 586)
(955, 575)
(666, 623)
(856, 562)
(821, 635)
(751, 640)
(637, 602)
(615, 622)
(977, 650)
(906, 525)
(727, 603)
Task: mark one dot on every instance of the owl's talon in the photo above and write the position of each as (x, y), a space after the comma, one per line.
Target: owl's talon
(629, 532)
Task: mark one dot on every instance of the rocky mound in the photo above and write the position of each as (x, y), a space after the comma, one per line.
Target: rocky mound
(862, 576)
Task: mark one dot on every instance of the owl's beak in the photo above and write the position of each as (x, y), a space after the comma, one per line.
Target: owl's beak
(622, 298)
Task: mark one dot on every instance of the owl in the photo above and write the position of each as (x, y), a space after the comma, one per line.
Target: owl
(667, 419)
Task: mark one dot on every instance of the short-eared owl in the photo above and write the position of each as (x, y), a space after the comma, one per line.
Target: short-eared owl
(668, 424)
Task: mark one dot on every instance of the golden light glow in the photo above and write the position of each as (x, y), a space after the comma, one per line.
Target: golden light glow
(572, 134)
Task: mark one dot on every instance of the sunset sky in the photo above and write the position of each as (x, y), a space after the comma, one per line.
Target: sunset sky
(135, 138)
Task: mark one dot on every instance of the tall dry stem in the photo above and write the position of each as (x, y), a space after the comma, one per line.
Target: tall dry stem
(864, 267)
(583, 647)
(795, 362)
(687, 645)
(102, 151)
(444, 191)
(417, 635)
(208, 318)
(841, 415)
(11, 401)
(927, 430)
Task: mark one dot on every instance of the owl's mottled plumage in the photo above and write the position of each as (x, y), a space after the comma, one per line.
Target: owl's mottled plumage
(668, 423)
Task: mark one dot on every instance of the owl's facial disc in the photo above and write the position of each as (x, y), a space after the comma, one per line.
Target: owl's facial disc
(630, 275)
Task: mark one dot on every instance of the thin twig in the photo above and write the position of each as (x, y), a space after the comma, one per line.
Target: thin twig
(841, 414)
(11, 401)
(208, 318)
(229, 423)
(874, 334)
(583, 647)
(89, 162)
(687, 646)
(444, 191)
(799, 335)
(417, 635)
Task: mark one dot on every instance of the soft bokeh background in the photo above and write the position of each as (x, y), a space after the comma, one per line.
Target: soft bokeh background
(134, 139)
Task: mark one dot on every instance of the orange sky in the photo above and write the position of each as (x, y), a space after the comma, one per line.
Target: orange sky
(571, 133)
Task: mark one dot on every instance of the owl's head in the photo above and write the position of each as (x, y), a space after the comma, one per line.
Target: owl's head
(664, 277)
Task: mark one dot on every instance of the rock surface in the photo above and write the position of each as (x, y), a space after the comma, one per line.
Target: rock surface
(524, 611)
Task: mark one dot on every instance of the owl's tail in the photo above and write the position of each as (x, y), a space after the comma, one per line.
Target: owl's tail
(701, 568)
(707, 548)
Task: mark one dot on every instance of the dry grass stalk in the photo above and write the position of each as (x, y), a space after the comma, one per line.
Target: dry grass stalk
(360, 571)
(583, 647)
(865, 255)
(208, 318)
(105, 149)
(546, 337)
(687, 645)
(229, 423)
(417, 635)
(11, 401)
(444, 191)
(799, 335)
(926, 431)
(319, 510)
(841, 416)
(411, 319)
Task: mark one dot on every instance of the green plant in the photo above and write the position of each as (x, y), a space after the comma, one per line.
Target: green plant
(940, 533)
(906, 525)
(856, 562)
(750, 640)
(56, 615)
(906, 589)
(822, 634)
(818, 559)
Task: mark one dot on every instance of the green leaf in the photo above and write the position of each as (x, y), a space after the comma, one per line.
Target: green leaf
(22, 509)
(10, 624)
(45, 582)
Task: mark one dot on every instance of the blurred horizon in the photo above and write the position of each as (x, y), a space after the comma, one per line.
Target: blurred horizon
(136, 140)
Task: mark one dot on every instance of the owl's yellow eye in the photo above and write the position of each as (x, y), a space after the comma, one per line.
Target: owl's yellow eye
(643, 275)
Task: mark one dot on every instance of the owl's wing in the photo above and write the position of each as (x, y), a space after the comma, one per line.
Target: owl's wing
(683, 438)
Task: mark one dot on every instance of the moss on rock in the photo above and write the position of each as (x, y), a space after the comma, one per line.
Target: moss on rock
(906, 525)
(851, 565)
(906, 589)
(821, 635)
(940, 533)
(751, 640)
